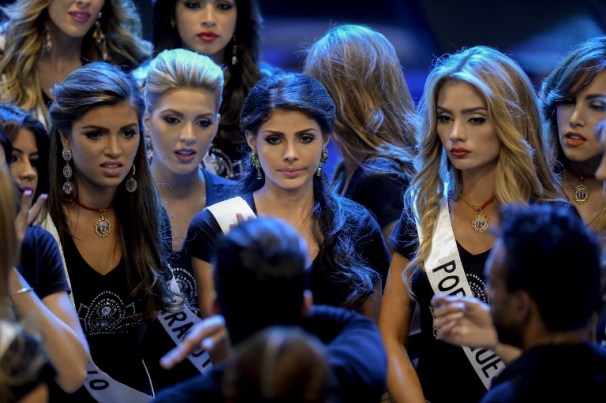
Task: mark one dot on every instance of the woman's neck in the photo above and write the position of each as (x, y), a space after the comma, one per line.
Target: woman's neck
(176, 187)
(478, 186)
(65, 49)
(280, 202)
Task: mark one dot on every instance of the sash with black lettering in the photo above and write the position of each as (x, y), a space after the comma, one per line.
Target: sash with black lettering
(225, 212)
(446, 275)
(177, 325)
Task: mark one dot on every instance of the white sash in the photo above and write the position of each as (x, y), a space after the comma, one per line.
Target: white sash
(178, 324)
(446, 275)
(105, 389)
(225, 212)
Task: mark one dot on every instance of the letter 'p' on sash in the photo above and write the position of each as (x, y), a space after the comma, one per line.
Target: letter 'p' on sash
(446, 275)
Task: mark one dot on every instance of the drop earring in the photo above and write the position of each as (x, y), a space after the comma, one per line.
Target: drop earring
(68, 186)
(100, 39)
(323, 159)
(234, 53)
(254, 160)
(47, 45)
(131, 183)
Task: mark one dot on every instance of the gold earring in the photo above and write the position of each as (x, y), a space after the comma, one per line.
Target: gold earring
(254, 160)
(323, 159)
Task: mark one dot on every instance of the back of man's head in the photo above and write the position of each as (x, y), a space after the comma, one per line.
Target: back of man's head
(554, 256)
(260, 275)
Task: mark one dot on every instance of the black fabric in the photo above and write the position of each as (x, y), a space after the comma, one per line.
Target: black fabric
(110, 320)
(41, 264)
(156, 341)
(204, 231)
(354, 349)
(381, 193)
(553, 373)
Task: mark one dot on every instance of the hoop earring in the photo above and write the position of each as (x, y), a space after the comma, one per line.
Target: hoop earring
(234, 52)
(100, 40)
(131, 183)
(68, 186)
(323, 159)
(254, 160)
(47, 45)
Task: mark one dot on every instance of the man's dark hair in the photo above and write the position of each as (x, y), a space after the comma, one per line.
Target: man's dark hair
(260, 274)
(555, 257)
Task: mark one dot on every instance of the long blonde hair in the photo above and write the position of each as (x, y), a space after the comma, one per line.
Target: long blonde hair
(24, 30)
(527, 156)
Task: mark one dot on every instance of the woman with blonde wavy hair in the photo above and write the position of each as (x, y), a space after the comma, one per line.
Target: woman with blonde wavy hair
(374, 125)
(480, 145)
(44, 40)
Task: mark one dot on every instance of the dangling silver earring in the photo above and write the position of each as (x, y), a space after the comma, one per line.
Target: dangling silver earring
(234, 53)
(254, 160)
(323, 159)
(68, 186)
(100, 39)
(131, 183)
(47, 45)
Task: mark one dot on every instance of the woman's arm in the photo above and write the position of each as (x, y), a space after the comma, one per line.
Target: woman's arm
(397, 309)
(206, 289)
(56, 319)
(372, 306)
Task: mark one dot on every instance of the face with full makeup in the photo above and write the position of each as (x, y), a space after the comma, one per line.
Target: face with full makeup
(74, 18)
(182, 125)
(104, 143)
(24, 161)
(206, 26)
(289, 145)
(465, 129)
(578, 118)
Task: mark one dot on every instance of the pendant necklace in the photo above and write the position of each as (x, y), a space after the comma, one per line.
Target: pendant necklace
(103, 227)
(580, 192)
(480, 221)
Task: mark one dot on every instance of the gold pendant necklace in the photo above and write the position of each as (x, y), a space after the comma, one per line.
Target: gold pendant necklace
(103, 227)
(480, 221)
(581, 193)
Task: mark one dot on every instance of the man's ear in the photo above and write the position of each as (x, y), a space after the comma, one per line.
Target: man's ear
(308, 302)
(215, 310)
(523, 306)
(250, 139)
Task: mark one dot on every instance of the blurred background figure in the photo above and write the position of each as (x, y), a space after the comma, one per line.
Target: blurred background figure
(279, 364)
(43, 40)
(373, 129)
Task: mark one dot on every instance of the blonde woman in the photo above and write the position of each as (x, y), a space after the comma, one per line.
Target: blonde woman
(373, 129)
(183, 93)
(43, 40)
(480, 145)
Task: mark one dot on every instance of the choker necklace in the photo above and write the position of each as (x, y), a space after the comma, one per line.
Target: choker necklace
(480, 222)
(103, 227)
